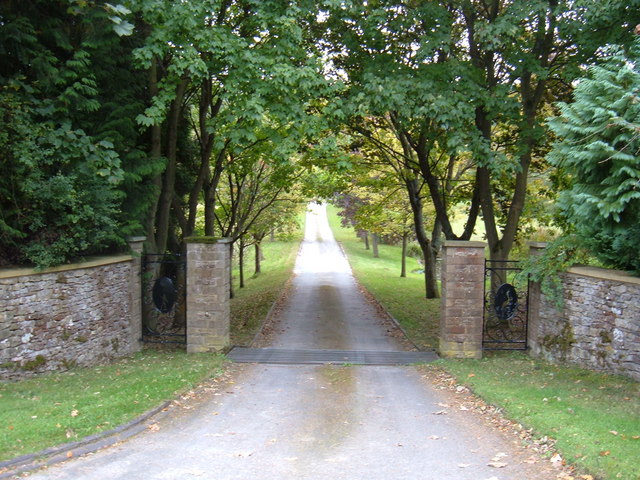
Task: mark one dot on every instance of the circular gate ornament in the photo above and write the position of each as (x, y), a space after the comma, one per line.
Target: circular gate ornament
(505, 301)
(164, 294)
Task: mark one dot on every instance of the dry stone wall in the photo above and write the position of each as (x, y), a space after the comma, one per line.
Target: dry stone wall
(598, 325)
(55, 320)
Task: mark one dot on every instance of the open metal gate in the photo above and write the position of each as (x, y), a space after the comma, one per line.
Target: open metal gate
(506, 306)
(164, 306)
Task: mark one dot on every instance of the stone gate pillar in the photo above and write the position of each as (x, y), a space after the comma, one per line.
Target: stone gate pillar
(135, 289)
(208, 289)
(462, 299)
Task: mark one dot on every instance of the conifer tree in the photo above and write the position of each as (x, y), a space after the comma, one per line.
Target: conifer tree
(600, 151)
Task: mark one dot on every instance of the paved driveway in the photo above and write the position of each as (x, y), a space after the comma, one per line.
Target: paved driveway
(317, 422)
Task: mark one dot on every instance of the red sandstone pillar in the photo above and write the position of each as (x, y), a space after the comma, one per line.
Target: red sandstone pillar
(462, 299)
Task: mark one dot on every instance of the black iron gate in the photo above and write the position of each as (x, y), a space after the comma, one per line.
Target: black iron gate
(164, 306)
(506, 306)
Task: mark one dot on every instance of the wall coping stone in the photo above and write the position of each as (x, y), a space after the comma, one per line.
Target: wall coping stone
(89, 263)
(207, 240)
(464, 244)
(604, 274)
(141, 238)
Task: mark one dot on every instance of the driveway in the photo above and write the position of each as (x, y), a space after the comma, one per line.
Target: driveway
(318, 421)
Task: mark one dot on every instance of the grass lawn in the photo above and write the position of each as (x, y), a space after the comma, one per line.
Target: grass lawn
(404, 298)
(58, 408)
(594, 418)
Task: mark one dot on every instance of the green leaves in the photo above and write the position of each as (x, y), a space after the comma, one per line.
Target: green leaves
(60, 189)
(600, 149)
(61, 195)
(121, 26)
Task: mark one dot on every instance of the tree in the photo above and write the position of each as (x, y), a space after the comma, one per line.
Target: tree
(281, 218)
(61, 188)
(252, 186)
(599, 149)
(387, 215)
(467, 79)
(402, 79)
(219, 69)
(382, 195)
(525, 55)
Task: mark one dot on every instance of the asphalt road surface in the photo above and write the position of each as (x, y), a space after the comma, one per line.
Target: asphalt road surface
(317, 422)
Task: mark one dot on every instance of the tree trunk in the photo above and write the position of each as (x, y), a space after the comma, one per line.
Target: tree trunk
(431, 285)
(168, 183)
(436, 237)
(206, 138)
(365, 237)
(241, 262)
(210, 193)
(258, 255)
(403, 270)
(231, 292)
(155, 153)
(423, 149)
(374, 241)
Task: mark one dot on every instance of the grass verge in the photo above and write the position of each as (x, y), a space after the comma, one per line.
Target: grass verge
(404, 298)
(593, 418)
(251, 304)
(58, 408)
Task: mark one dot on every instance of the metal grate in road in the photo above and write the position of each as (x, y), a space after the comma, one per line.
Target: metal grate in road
(321, 357)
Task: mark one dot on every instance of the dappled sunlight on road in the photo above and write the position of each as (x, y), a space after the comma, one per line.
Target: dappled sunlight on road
(319, 252)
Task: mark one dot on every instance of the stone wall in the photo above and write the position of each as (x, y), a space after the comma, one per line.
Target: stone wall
(598, 326)
(76, 315)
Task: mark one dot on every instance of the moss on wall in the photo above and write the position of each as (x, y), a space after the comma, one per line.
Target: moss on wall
(561, 342)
